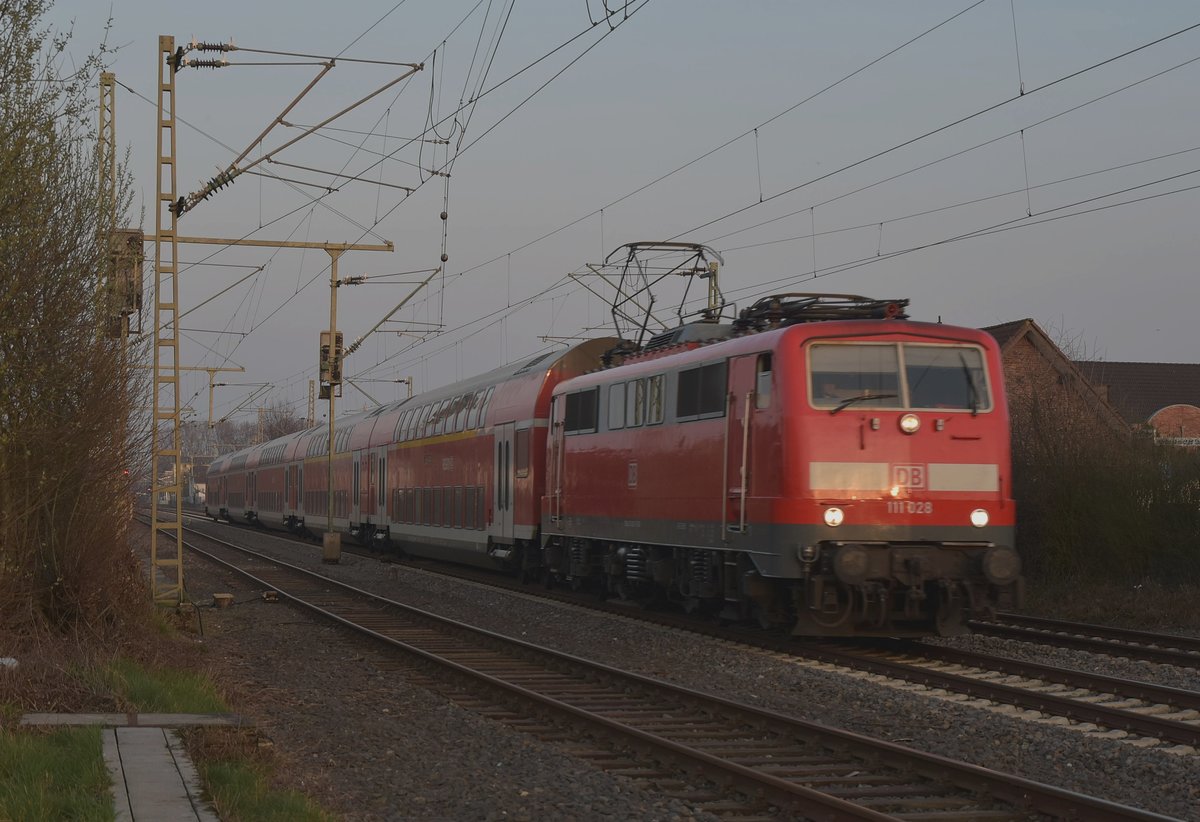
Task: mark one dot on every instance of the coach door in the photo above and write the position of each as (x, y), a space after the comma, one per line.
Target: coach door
(502, 495)
(739, 411)
(356, 488)
(379, 490)
(366, 499)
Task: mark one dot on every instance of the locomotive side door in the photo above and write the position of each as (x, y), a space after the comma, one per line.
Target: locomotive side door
(502, 493)
(739, 411)
(554, 472)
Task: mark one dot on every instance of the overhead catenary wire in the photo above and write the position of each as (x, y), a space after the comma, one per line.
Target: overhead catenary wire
(939, 209)
(506, 80)
(963, 152)
(730, 141)
(939, 129)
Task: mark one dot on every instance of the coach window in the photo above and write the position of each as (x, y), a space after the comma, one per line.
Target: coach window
(435, 421)
(762, 383)
(473, 410)
(487, 406)
(581, 411)
(445, 418)
(654, 399)
(463, 407)
(635, 402)
(616, 406)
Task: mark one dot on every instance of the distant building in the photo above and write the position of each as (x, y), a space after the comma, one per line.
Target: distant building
(1163, 397)
(1045, 385)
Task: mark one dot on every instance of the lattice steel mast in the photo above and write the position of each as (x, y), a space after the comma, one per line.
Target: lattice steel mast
(165, 438)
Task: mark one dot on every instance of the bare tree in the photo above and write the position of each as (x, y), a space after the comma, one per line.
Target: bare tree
(64, 440)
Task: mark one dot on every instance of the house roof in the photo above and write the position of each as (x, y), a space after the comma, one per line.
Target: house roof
(1140, 389)
(1007, 332)
(1010, 334)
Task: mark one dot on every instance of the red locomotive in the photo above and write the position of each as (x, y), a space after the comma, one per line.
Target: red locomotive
(821, 463)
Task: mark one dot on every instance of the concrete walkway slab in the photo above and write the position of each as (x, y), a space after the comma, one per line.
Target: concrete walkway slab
(153, 778)
(133, 720)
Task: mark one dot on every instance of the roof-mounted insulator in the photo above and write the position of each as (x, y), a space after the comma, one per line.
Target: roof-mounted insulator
(788, 309)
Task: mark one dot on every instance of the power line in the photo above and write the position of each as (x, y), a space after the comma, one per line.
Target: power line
(725, 144)
(939, 129)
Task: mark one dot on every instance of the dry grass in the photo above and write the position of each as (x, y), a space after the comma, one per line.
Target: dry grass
(1148, 605)
(66, 673)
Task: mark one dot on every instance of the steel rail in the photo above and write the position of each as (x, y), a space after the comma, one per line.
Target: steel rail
(736, 721)
(1092, 644)
(1127, 688)
(1182, 643)
(1169, 730)
(1120, 718)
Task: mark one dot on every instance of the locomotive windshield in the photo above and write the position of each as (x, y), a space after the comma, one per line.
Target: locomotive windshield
(869, 374)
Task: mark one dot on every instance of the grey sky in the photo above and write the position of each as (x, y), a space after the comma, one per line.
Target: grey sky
(673, 82)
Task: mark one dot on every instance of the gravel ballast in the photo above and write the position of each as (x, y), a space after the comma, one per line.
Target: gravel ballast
(372, 746)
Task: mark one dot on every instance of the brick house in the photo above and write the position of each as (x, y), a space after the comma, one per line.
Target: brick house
(1163, 397)
(1041, 377)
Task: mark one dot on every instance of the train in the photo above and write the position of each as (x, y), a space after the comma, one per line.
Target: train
(822, 464)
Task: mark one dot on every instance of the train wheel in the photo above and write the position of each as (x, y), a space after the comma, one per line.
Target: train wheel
(842, 613)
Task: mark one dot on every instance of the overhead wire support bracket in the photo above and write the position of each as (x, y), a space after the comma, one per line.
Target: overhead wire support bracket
(354, 345)
(234, 170)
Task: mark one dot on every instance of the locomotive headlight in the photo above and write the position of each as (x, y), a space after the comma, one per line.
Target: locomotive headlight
(910, 423)
(979, 517)
(834, 516)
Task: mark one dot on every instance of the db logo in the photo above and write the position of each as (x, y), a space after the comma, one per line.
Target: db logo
(908, 476)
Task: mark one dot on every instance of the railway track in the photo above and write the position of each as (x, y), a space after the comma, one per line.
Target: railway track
(666, 735)
(1150, 713)
(1100, 639)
